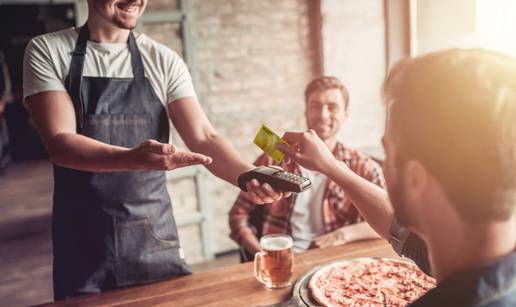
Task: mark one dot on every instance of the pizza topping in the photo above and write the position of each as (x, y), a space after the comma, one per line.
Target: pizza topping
(370, 282)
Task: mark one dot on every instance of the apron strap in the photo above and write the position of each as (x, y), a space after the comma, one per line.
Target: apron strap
(136, 58)
(75, 75)
(77, 65)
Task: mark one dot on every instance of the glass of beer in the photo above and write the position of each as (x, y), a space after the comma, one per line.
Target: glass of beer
(273, 265)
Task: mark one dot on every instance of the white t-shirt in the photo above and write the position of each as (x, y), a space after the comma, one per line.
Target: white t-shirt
(47, 62)
(306, 220)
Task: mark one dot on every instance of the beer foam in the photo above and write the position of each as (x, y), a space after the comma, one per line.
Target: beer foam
(276, 243)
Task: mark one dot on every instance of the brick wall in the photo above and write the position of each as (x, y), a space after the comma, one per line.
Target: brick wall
(354, 51)
(254, 59)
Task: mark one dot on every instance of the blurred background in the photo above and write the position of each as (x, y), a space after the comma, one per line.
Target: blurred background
(250, 61)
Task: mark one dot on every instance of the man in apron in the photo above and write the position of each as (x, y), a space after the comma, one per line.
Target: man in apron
(100, 96)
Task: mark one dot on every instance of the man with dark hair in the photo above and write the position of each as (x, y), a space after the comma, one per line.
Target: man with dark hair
(450, 144)
(323, 215)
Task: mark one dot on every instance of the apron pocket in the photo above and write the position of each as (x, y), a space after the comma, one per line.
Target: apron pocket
(126, 130)
(143, 257)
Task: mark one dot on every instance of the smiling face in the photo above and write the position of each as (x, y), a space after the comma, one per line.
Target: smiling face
(123, 14)
(325, 112)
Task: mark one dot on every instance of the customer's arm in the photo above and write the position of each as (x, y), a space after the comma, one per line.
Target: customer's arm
(359, 230)
(370, 200)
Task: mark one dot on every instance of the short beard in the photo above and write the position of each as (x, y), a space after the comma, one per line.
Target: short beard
(121, 25)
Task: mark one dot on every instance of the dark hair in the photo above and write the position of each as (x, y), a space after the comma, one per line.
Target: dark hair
(327, 83)
(455, 112)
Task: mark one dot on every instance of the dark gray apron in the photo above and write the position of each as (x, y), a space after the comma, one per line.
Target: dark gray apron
(113, 229)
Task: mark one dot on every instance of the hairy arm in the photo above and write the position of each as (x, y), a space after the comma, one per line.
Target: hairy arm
(370, 200)
(199, 135)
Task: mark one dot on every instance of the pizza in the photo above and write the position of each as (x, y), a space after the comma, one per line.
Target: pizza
(369, 282)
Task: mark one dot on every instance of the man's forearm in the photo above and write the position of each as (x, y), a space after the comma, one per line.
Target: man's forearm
(84, 153)
(371, 201)
(251, 243)
(359, 231)
(54, 117)
(227, 161)
(200, 136)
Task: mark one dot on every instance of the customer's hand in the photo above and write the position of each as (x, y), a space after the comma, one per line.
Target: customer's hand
(263, 193)
(307, 149)
(153, 155)
(333, 238)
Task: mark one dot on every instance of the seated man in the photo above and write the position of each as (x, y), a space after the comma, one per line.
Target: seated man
(323, 215)
(450, 145)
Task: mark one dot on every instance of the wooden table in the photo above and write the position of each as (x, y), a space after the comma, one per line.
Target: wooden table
(233, 285)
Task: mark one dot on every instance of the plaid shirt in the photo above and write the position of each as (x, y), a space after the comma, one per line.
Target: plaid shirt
(337, 208)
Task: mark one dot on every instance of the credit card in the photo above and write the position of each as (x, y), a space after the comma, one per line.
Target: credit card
(267, 140)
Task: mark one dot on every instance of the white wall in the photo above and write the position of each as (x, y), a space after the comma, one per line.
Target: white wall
(466, 23)
(444, 23)
(354, 52)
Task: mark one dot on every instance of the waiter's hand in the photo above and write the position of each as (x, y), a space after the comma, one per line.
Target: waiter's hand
(263, 193)
(153, 155)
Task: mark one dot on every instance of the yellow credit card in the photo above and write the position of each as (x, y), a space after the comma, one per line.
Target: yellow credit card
(267, 140)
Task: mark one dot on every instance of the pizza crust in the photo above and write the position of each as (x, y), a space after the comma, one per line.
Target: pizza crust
(317, 293)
